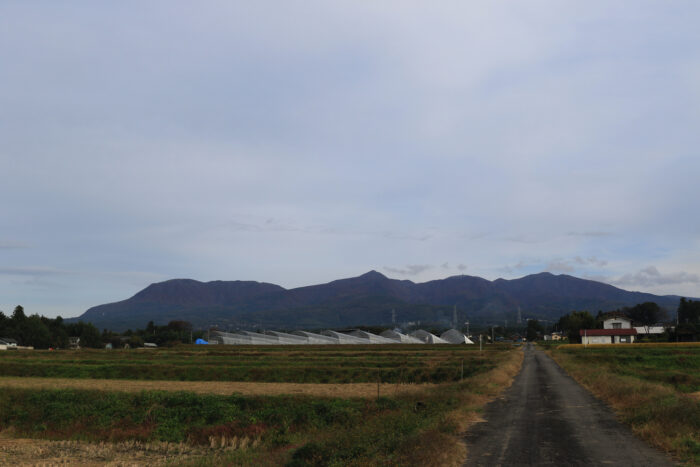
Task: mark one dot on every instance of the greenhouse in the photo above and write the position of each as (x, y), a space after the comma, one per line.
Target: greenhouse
(399, 338)
(453, 336)
(330, 337)
(427, 338)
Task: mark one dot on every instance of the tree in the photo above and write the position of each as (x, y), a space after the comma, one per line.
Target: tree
(689, 311)
(646, 314)
(574, 322)
(33, 332)
(18, 315)
(688, 327)
(534, 329)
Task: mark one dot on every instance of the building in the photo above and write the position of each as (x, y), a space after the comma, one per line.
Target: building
(557, 336)
(617, 322)
(454, 336)
(8, 341)
(607, 336)
(655, 330)
(617, 329)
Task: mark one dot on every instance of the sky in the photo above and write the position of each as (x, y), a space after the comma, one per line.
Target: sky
(300, 142)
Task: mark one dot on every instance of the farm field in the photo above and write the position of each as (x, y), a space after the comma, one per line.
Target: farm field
(329, 416)
(654, 388)
(289, 364)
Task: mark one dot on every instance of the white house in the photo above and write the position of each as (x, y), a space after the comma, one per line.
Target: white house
(616, 330)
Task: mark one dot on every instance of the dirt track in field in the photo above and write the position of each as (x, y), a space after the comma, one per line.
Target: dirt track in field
(365, 390)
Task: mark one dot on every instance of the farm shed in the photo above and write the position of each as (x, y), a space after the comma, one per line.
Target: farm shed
(7, 343)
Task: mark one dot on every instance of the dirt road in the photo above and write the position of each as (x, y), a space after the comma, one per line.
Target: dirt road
(546, 418)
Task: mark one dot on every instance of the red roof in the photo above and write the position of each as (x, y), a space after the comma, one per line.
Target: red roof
(608, 332)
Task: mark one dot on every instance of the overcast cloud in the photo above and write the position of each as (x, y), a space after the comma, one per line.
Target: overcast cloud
(301, 142)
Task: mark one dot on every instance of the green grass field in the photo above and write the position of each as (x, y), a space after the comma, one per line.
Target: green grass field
(677, 366)
(654, 388)
(317, 364)
(399, 429)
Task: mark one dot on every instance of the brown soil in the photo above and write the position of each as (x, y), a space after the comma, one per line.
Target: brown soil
(366, 390)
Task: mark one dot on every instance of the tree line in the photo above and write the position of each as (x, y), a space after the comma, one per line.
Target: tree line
(41, 332)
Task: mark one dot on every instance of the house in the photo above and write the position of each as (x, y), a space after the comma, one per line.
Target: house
(617, 329)
(557, 336)
(74, 342)
(607, 336)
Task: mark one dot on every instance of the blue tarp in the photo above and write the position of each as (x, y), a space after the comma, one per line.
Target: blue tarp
(200, 341)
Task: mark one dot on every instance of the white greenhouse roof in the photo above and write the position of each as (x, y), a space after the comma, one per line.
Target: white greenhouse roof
(329, 336)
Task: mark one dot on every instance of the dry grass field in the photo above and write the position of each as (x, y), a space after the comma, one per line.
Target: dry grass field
(363, 390)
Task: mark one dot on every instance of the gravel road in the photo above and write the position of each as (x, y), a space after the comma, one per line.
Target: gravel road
(547, 418)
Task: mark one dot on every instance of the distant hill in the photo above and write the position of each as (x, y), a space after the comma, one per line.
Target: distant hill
(364, 300)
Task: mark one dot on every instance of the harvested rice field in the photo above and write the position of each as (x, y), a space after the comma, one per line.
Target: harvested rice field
(225, 405)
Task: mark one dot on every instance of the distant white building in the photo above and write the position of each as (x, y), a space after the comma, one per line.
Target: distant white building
(650, 330)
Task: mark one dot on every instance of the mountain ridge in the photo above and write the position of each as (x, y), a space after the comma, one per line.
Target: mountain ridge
(366, 299)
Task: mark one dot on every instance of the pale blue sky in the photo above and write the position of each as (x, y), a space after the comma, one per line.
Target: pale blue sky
(301, 142)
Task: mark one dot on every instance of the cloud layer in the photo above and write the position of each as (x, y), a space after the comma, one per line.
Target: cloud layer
(307, 141)
(651, 277)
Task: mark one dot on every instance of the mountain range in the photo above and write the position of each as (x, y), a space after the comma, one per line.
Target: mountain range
(369, 299)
